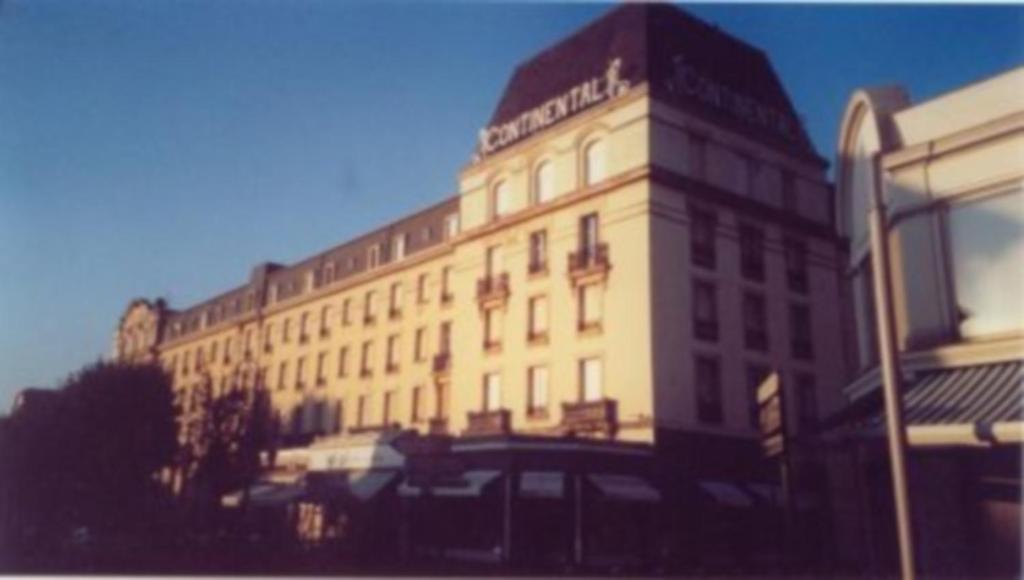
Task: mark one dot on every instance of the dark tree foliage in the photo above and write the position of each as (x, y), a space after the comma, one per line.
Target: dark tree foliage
(84, 460)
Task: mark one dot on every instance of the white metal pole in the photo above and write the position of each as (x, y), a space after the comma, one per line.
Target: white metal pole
(889, 359)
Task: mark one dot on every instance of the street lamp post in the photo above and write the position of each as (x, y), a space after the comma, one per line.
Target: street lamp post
(891, 374)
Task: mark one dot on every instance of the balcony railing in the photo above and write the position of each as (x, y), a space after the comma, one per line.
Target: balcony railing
(589, 261)
(378, 428)
(537, 268)
(497, 422)
(591, 416)
(438, 426)
(391, 368)
(442, 363)
(493, 288)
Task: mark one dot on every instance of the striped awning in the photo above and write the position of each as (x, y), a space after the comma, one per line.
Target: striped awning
(979, 404)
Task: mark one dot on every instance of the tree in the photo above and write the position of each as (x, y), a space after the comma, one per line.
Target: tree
(87, 456)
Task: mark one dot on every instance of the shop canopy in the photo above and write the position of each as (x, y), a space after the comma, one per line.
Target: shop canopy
(266, 494)
(469, 484)
(361, 485)
(542, 484)
(973, 405)
(625, 488)
(727, 494)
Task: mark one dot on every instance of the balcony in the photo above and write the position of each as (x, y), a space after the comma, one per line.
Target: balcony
(442, 363)
(497, 422)
(438, 426)
(589, 264)
(599, 416)
(492, 290)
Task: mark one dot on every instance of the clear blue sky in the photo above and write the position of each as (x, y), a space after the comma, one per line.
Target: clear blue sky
(162, 148)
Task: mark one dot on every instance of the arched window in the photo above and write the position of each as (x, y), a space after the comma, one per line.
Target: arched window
(500, 202)
(594, 162)
(544, 182)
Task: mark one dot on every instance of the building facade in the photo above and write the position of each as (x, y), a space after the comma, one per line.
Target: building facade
(950, 175)
(644, 235)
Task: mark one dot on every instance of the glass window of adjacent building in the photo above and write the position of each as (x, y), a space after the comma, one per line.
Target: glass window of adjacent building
(366, 362)
(321, 368)
(346, 312)
(709, 390)
(755, 322)
(325, 321)
(705, 311)
(492, 391)
(538, 259)
(362, 408)
(591, 380)
(589, 233)
(444, 337)
(416, 410)
(986, 243)
(373, 256)
(303, 327)
(702, 237)
(370, 315)
(537, 394)
(339, 417)
(538, 321)
(796, 264)
(282, 373)
(595, 159)
(395, 308)
(268, 334)
(446, 280)
(343, 361)
(421, 288)
(492, 328)
(590, 307)
(501, 199)
(800, 331)
(420, 345)
(393, 353)
(388, 411)
(752, 252)
(451, 226)
(544, 182)
(300, 368)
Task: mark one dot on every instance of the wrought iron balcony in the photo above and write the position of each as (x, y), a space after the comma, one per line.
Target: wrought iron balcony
(599, 416)
(442, 363)
(438, 426)
(589, 262)
(493, 288)
(497, 422)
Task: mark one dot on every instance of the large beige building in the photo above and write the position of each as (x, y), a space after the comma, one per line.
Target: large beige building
(645, 233)
(949, 172)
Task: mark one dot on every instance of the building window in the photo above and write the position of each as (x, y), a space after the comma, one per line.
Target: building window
(366, 361)
(590, 307)
(346, 312)
(416, 413)
(492, 392)
(389, 402)
(864, 305)
(362, 409)
(420, 346)
(698, 146)
(227, 351)
(986, 240)
(373, 256)
(282, 372)
(392, 354)
(446, 279)
(319, 410)
(538, 263)
(328, 273)
(186, 362)
(200, 359)
(537, 395)
(537, 325)
(325, 321)
(370, 313)
(492, 329)
(752, 252)
(304, 328)
(300, 372)
(702, 237)
(709, 390)
(589, 235)
(421, 289)
(705, 311)
(755, 322)
(500, 202)
(800, 331)
(594, 162)
(544, 182)
(398, 244)
(806, 401)
(339, 417)
(268, 333)
(756, 374)
(343, 361)
(321, 364)
(796, 264)
(395, 308)
(285, 332)
(493, 263)
(213, 351)
(591, 387)
(451, 226)
(444, 338)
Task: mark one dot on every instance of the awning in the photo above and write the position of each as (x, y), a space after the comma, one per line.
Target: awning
(265, 494)
(542, 484)
(470, 484)
(727, 494)
(362, 485)
(625, 488)
(773, 495)
(974, 405)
